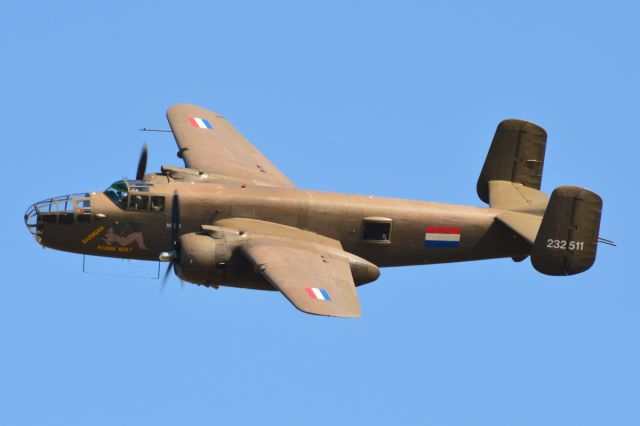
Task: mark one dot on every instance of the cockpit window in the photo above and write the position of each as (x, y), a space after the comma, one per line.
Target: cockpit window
(157, 204)
(118, 194)
(139, 203)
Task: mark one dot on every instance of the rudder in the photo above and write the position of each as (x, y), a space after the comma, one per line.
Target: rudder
(567, 240)
(516, 155)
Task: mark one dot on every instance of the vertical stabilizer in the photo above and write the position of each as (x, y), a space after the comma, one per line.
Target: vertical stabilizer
(568, 237)
(516, 155)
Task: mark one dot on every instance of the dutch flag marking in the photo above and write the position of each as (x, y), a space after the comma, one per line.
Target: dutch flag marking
(442, 236)
(317, 293)
(200, 123)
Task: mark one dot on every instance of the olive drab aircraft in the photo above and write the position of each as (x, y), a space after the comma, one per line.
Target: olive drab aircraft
(231, 218)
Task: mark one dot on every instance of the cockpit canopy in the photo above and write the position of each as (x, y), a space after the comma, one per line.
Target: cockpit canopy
(133, 195)
(118, 193)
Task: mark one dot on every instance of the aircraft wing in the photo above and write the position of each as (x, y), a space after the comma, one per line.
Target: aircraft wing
(209, 143)
(315, 281)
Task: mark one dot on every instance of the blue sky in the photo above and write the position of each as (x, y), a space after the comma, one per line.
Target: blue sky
(396, 99)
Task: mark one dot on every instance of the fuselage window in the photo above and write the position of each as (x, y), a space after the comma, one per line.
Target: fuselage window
(139, 203)
(84, 206)
(376, 230)
(49, 217)
(84, 211)
(157, 204)
(65, 218)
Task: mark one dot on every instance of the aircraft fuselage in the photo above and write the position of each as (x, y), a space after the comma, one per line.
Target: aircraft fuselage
(384, 231)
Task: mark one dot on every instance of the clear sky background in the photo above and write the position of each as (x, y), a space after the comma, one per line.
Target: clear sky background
(396, 99)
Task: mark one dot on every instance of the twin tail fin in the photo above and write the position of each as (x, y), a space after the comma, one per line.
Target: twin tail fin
(562, 229)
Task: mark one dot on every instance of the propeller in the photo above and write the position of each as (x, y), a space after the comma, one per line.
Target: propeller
(165, 278)
(142, 163)
(173, 256)
(174, 253)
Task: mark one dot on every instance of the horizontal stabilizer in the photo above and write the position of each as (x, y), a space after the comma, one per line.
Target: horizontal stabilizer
(510, 195)
(524, 224)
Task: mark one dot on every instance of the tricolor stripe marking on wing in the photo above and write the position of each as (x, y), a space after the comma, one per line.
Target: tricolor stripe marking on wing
(200, 123)
(317, 293)
(442, 236)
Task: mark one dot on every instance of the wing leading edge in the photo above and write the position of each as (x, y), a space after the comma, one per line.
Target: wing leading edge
(209, 143)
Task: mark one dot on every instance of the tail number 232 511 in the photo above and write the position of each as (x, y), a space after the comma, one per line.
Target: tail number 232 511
(565, 245)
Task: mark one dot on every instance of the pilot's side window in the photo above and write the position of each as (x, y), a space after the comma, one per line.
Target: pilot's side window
(157, 204)
(139, 203)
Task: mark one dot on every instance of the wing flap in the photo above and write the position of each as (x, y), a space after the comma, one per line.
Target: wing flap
(314, 281)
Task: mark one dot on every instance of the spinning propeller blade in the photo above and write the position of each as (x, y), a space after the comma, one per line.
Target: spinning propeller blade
(175, 235)
(142, 163)
(175, 224)
(165, 278)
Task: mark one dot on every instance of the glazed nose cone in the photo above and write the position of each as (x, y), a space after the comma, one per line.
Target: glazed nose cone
(31, 219)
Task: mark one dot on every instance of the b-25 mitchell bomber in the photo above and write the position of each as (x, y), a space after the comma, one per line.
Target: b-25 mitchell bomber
(231, 218)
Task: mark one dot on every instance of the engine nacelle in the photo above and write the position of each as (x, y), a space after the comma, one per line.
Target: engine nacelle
(202, 258)
(210, 258)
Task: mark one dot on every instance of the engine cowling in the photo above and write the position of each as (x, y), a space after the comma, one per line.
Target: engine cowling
(202, 258)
